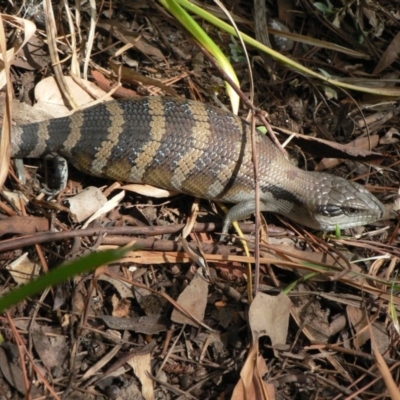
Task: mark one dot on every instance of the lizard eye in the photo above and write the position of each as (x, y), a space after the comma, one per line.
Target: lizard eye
(330, 210)
(351, 211)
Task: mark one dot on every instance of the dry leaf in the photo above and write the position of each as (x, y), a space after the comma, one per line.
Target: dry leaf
(383, 341)
(194, 300)
(106, 207)
(12, 373)
(23, 269)
(357, 148)
(251, 385)
(123, 288)
(391, 385)
(359, 320)
(34, 55)
(121, 307)
(269, 316)
(50, 99)
(141, 366)
(86, 203)
(391, 54)
(149, 324)
(28, 28)
(326, 148)
(52, 351)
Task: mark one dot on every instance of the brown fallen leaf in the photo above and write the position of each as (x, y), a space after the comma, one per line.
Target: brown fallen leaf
(23, 270)
(194, 300)
(141, 365)
(12, 373)
(149, 324)
(251, 385)
(86, 203)
(359, 320)
(269, 316)
(391, 384)
(327, 148)
(361, 145)
(390, 55)
(53, 351)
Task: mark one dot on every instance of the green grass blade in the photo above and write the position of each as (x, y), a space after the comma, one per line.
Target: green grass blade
(201, 36)
(59, 275)
(392, 92)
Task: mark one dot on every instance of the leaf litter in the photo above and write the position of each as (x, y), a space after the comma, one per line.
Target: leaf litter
(174, 320)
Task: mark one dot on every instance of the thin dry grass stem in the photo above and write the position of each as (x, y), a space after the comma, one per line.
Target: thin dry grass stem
(20, 347)
(23, 350)
(5, 144)
(51, 30)
(377, 247)
(370, 382)
(89, 45)
(75, 68)
(170, 351)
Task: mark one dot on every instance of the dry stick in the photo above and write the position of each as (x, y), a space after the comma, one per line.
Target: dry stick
(37, 238)
(257, 210)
